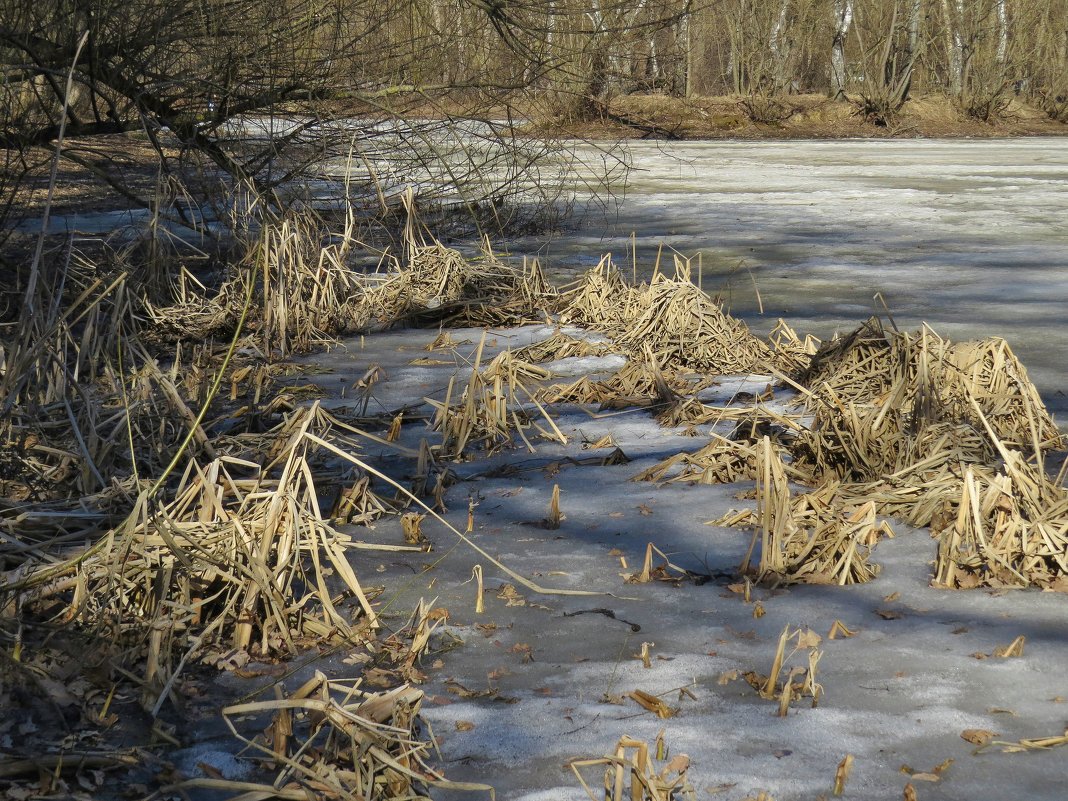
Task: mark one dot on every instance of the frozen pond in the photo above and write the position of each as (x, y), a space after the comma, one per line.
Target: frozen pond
(969, 236)
(539, 679)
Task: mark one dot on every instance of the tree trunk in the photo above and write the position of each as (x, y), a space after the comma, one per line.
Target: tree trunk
(843, 18)
(1003, 30)
(954, 45)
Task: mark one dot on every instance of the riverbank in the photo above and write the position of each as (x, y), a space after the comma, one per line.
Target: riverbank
(809, 116)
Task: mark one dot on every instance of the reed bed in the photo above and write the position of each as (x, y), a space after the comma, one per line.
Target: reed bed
(721, 461)
(164, 489)
(236, 562)
(640, 383)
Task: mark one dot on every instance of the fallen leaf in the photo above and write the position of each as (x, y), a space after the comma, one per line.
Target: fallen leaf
(892, 597)
(677, 764)
(644, 510)
(889, 614)
(942, 767)
(511, 596)
(909, 793)
(208, 770)
(978, 736)
(926, 777)
(464, 725)
(808, 639)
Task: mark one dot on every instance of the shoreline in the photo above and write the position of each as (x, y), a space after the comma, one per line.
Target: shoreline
(794, 117)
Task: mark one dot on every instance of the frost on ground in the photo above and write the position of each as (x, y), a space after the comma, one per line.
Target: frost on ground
(536, 681)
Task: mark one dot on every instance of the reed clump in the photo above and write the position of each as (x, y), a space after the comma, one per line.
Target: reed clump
(493, 408)
(892, 424)
(632, 772)
(682, 325)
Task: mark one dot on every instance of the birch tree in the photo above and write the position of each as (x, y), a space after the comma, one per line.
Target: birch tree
(843, 19)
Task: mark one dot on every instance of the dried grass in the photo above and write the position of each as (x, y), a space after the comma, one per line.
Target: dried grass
(334, 738)
(495, 405)
(630, 773)
(680, 324)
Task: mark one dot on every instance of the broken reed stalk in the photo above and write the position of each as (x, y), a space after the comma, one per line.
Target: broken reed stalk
(344, 740)
(630, 774)
(476, 574)
(787, 690)
(552, 522)
(492, 407)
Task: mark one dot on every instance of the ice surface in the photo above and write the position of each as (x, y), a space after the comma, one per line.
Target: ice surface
(969, 236)
(897, 694)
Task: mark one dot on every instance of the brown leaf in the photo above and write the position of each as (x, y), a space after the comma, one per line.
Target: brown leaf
(889, 614)
(464, 725)
(210, 771)
(677, 764)
(909, 794)
(727, 678)
(978, 736)
(511, 596)
(926, 777)
(644, 510)
(942, 767)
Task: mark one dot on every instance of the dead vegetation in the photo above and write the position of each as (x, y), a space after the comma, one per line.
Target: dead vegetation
(163, 490)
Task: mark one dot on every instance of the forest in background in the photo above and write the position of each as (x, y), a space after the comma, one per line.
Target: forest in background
(175, 501)
(394, 87)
